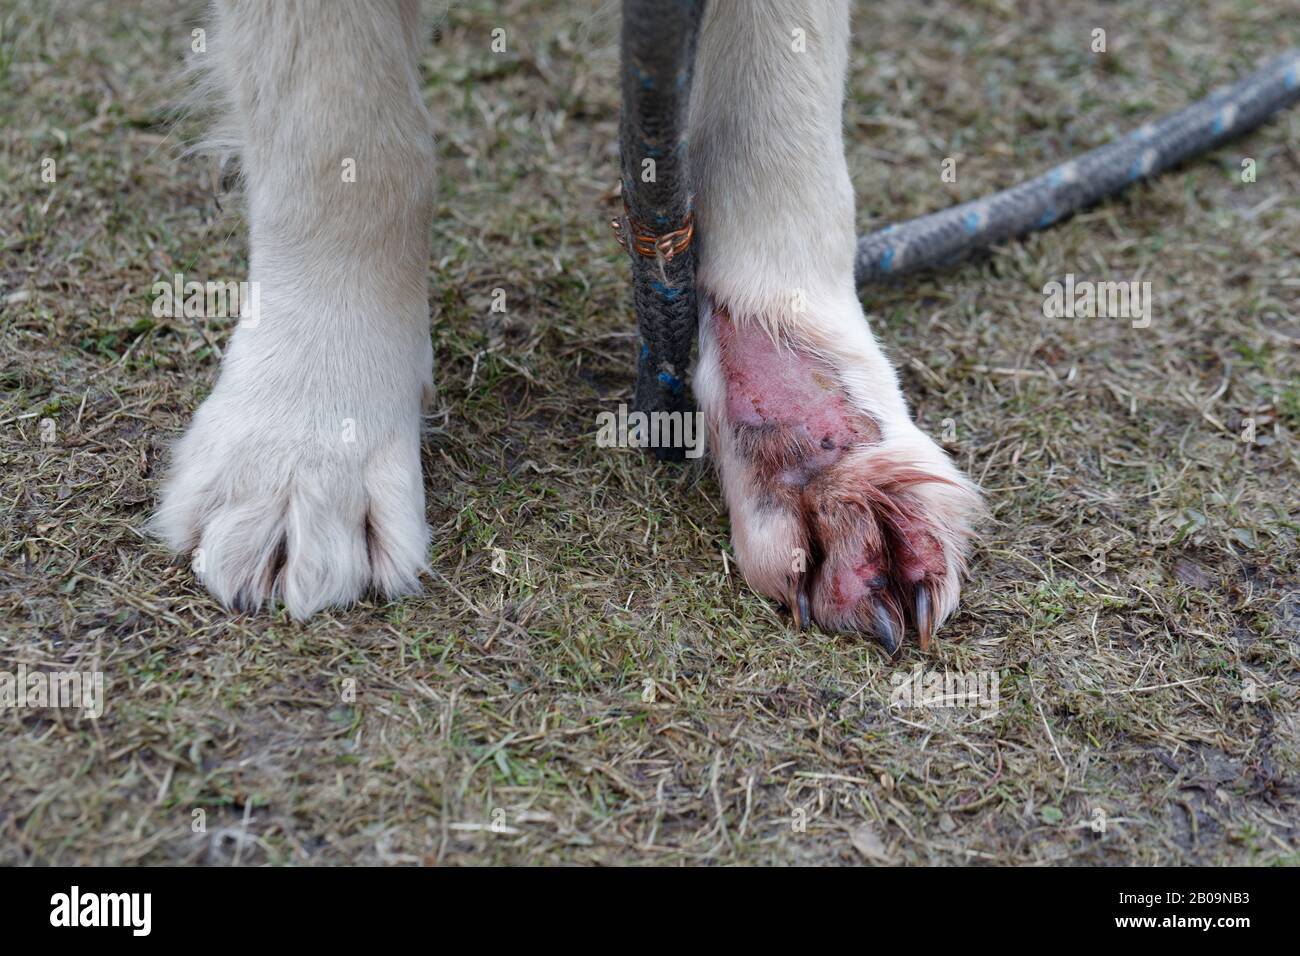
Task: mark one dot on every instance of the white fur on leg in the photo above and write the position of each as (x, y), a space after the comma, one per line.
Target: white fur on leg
(774, 204)
(299, 478)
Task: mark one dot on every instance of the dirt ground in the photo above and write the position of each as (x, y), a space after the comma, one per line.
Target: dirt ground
(585, 679)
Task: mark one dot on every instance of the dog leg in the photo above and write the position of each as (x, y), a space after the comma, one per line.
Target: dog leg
(299, 477)
(840, 506)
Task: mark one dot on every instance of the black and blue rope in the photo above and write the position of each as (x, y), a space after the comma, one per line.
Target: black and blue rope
(658, 50)
(947, 236)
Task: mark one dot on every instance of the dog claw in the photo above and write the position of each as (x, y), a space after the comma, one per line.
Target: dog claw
(888, 631)
(924, 617)
(798, 602)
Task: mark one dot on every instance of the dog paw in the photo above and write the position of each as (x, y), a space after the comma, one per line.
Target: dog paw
(841, 508)
(300, 495)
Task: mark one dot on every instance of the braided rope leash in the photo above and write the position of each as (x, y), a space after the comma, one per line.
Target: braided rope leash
(943, 237)
(657, 226)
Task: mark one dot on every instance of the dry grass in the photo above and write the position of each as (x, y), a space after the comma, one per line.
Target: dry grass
(519, 696)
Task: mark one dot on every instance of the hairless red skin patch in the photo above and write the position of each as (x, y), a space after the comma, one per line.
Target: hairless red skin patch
(791, 417)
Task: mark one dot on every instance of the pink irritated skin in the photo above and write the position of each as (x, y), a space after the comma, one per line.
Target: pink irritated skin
(775, 388)
(921, 553)
(845, 588)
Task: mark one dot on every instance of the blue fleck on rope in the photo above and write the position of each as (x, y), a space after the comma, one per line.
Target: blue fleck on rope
(944, 237)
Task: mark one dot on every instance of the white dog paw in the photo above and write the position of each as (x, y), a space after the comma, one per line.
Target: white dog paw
(841, 508)
(300, 495)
